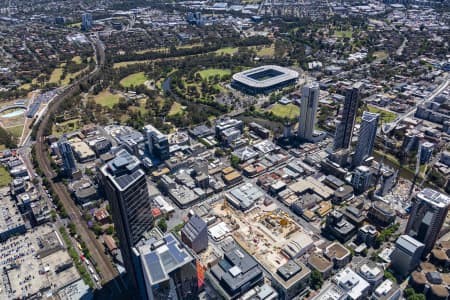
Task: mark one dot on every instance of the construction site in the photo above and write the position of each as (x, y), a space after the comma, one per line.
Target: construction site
(265, 232)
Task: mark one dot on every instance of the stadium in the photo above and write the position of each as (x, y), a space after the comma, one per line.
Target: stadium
(264, 79)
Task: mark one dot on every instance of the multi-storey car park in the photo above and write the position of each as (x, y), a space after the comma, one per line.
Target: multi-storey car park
(264, 79)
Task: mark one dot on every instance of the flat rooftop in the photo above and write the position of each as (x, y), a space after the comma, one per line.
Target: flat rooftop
(355, 286)
(26, 273)
(331, 292)
(319, 262)
(245, 195)
(76, 291)
(237, 268)
(10, 217)
(162, 257)
(123, 170)
(290, 273)
(337, 250)
(310, 183)
(386, 289)
(434, 197)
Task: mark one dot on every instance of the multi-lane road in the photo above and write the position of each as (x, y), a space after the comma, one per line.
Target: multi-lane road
(391, 126)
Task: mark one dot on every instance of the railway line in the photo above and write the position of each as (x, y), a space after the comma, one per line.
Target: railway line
(103, 263)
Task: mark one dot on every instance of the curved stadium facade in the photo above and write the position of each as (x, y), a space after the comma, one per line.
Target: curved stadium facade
(264, 79)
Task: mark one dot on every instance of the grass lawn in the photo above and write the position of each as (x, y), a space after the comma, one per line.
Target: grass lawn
(16, 131)
(227, 50)
(55, 77)
(387, 116)
(189, 46)
(131, 62)
(105, 98)
(134, 80)
(343, 33)
(65, 127)
(175, 109)
(207, 73)
(2, 147)
(285, 111)
(27, 86)
(221, 88)
(69, 76)
(77, 59)
(5, 178)
(162, 49)
(75, 25)
(265, 50)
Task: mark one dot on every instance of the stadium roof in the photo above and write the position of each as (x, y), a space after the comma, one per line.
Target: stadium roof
(281, 75)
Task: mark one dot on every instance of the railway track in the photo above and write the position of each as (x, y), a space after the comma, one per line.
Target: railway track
(103, 263)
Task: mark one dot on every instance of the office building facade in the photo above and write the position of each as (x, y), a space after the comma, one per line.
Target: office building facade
(126, 190)
(158, 143)
(406, 255)
(388, 181)
(344, 130)
(308, 111)
(426, 151)
(66, 153)
(361, 179)
(86, 21)
(366, 140)
(195, 234)
(427, 216)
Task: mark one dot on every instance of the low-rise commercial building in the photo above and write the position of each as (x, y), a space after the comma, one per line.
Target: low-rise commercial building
(291, 279)
(367, 234)
(243, 197)
(381, 214)
(331, 292)
(355, 286)
(237, 272)
(371, 273)
(82, 152)
(339, 227)
(387, 290)
(321, 264)
(338, 254)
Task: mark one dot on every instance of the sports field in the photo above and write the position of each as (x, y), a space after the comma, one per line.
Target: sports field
(207, 73)
(285, 111)
(105, 98)
(134, 80)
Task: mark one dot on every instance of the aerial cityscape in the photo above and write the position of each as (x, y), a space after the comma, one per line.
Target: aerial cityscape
(214, 149)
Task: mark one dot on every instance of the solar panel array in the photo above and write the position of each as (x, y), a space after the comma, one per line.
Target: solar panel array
(164, 259)
(154, 265)
(125, 180)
